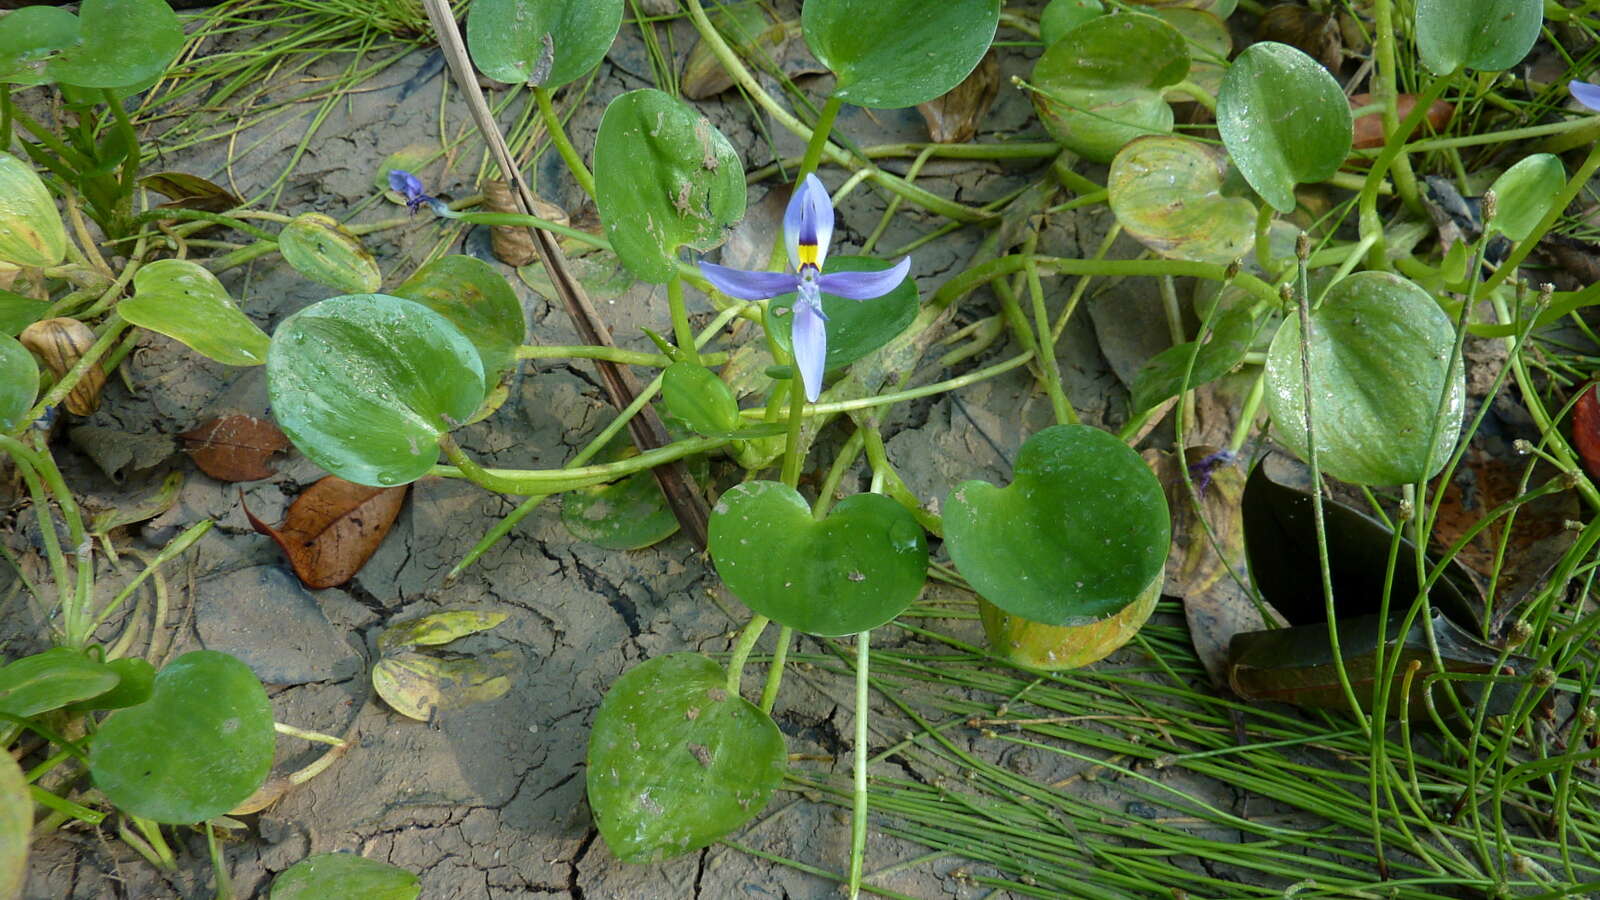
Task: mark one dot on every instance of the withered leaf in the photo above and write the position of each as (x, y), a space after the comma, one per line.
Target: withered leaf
(1586, 429)
(954, 118)
(234, 448)
(333, 528)
(1369, 128)
(191, 192)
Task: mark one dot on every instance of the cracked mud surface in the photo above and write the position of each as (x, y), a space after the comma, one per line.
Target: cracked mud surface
(488, 801)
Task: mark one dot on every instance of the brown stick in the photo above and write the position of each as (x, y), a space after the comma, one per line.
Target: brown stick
(646, 427)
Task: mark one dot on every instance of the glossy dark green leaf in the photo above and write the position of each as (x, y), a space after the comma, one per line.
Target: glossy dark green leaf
(1490, 35)
(18, 312)
(1379, 347)
(16, 826)
(478, 301)
(104, 56)
(665, 178)
(1284, 120)
(629, 514)
(19, 383)
(1168, 193)
(186, 302)
(889, 54)
(546, 43)
(51, 680)
(676, 762)
(853, 571)
(855, 327)
(1100, 86)
(31, 233)
(1061, 16)
(135, 682)
(197, 748)
(340, 876)
(325, 252)
(365, 384)
(1162, 376)
(1078, 535)
(1525, 193)
(32, 36)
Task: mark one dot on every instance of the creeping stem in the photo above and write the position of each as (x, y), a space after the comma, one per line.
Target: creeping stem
(558, 136)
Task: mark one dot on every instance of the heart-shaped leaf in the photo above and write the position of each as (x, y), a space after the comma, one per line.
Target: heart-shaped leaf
(31, 233)
(32, 36)
(478, 301)
(1525, 193)
(188, 304)
(696, 395)
(1379, 347)
(197, 748)
(1061, 16)
(855, 327)
(19, 383)
(103, 56)
(333, 876)
(322, 250)
(676, 762)
(1209, 45)
(16, 826)
(889, 54)
(1057, 647)
(365, 384)
(1078, 535)
(665, 177)
(627, 514)
(1490, 35)
(546, 43)
(853, 571)
(1284, 121)
(50, 680)
(234, 448)
(1100, 86)
(1168, 193)
(333, 528)
(1162, 376)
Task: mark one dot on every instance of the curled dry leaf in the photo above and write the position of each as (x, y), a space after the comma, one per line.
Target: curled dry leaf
(191, 192)
(954, 118)
(59, 344)
(419, 685)
(1318, 34)
(1586, 429)
(234, 448)
(1369, 128)
(333, 528)
(512, 244)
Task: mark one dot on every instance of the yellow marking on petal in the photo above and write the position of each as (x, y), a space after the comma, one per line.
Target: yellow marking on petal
(808, 254)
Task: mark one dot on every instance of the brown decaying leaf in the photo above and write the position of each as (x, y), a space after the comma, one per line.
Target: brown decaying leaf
(1369, 128)
(234, 448)
(954, 118)
(513, 245)
(59, 344)
(1318, 34)
(1586, 429)
(333, 528)
(191, 192)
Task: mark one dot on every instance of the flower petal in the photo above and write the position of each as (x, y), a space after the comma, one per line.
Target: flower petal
(405, 184)
(865, 285)
(808, 221)
(748, 285)
(809, 335)
(1586, 93)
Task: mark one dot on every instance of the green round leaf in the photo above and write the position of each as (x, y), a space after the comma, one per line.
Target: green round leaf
(19, 383)
(889, 54)
(197, 748)
(120, 43)
(853, 571)
(478, 301)
(696, 395)
(18, 312)
(31, 233)
(676, 762)
(1284, 121)
(1490, 35)
(546, 43)
(855, 327)
(1080, 533)
(1379, 345)
(629, 514)
(1525, 193)
(1061, 16)
(338, 876)
(1209, 43)
(322, 250)
(1168, 193)
(33, 34)
(365, 384)
(664, 177)
(186, 302)
(50, 680)
(1099, 86)
(16, 826)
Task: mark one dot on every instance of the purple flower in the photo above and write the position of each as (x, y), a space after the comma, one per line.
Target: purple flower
(1586, 93)
(807, 228)
(409, 187)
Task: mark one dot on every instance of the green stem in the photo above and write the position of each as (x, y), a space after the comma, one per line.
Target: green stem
(741, 651)
(1065, 415)
(858, 810)
(200, 215)
(1367, 203)
(526, 482)
(682, 331)
(614, 354)
(1579, 179)
(173, 548)
(792, 455)
(819, 138)
(525, 221)
(769, 692)
(558, 136)
(1405, 183)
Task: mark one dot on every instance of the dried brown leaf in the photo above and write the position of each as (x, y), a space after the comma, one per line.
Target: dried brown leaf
(333, 528)
(954, 118)
(234, 448)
